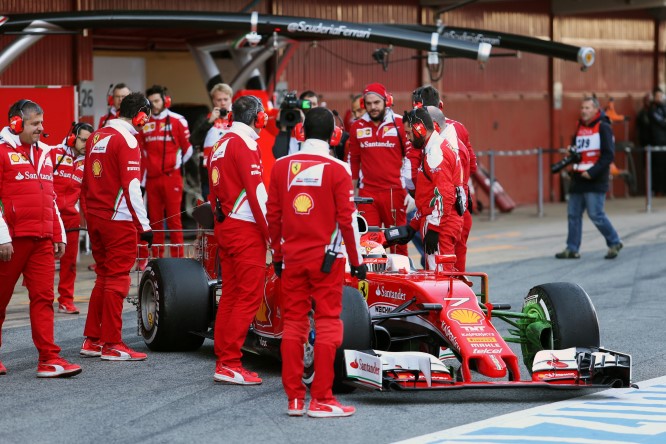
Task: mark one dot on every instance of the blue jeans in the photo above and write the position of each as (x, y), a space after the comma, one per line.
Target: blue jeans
(594, 203)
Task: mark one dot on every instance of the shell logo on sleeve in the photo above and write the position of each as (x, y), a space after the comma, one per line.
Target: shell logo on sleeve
(97, 168)
(305, 173)
(303, 203)
(215, 176)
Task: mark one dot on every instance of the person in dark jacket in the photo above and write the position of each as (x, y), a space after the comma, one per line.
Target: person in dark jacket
(594, 144)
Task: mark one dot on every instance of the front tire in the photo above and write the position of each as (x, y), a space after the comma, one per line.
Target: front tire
(173, 303)
(356, 335)
(567, 319)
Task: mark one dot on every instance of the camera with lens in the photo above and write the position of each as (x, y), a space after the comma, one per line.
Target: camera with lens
(573, 157)
(290, 110)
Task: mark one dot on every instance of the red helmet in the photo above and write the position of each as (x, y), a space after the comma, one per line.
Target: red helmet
(374, 255)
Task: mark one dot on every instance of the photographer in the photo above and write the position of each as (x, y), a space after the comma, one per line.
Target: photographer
(591, 156)
(292, 112)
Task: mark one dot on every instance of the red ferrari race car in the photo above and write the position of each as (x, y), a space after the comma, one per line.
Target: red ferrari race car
(404, 329)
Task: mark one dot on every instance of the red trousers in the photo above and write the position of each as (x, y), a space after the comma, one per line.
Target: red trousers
(461, 244)
(34, 258)
(388, 210)
(68, 260)
(302, 285)
(165, 194)
(243, 259)
(114, 250)
(447, 241)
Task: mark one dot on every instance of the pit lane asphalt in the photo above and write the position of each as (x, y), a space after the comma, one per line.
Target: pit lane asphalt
(171, 397)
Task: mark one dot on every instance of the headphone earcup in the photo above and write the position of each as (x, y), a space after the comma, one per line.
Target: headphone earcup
(109, 100)
(299, 133)
(167, 101)
(71, 140)
(441, 105)
(389, 100)
(362, 103)
(140, 119)
(230, 118)
(16, 124)
(419, 130)
(336, 137)
(262, 120)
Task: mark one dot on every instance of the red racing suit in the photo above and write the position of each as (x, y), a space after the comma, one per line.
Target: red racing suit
(67, 178)
(31, 222)
(311, 192)
(377, 156)
(237, 189)
(438, 177)
(115, 212)
(166, 146)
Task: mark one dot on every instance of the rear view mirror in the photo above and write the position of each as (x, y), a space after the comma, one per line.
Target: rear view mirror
(362, 224)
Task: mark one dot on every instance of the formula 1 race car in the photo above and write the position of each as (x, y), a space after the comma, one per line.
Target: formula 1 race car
(404, 329)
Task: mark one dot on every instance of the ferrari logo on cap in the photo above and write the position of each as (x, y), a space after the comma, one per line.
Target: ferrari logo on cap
(295, 167)
(97, 168)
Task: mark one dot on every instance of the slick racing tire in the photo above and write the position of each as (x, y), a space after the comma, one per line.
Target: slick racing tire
(356, 335)
(173, 303)
(570, 319)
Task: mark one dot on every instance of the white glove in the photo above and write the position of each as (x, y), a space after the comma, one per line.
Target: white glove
(409, 203)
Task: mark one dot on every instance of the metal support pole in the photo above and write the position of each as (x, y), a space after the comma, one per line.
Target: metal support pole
(540, 182)
(491, 191)
(648, 179)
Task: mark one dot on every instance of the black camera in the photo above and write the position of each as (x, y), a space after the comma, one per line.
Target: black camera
(573, 157)
(290, 113)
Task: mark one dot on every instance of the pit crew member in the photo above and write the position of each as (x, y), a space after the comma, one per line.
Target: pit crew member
(440, 198)
(31, 231)
(238, 194)
(118, 93)
(166, 147)
(377, 150)
(115, 214)
(312, 192)
(68, 160)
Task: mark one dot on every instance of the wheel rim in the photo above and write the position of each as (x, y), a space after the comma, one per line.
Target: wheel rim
(532, 343)
(149, 306)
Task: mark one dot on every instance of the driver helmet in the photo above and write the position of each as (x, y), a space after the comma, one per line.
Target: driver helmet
(374, 256)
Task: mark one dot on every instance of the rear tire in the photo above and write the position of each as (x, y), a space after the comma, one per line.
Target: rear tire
(572, 317)
(173, 303)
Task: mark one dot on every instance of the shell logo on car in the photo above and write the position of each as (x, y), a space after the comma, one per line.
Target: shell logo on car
(464, 316)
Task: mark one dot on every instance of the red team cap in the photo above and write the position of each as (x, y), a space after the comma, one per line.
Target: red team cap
(376, 88)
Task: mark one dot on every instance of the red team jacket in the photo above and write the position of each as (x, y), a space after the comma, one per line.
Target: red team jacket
(439, 175)
(67, 177)
(27, 199)
(112, 175)
(382, 148)
(165, 141)
(311, 207)
(235, 176)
